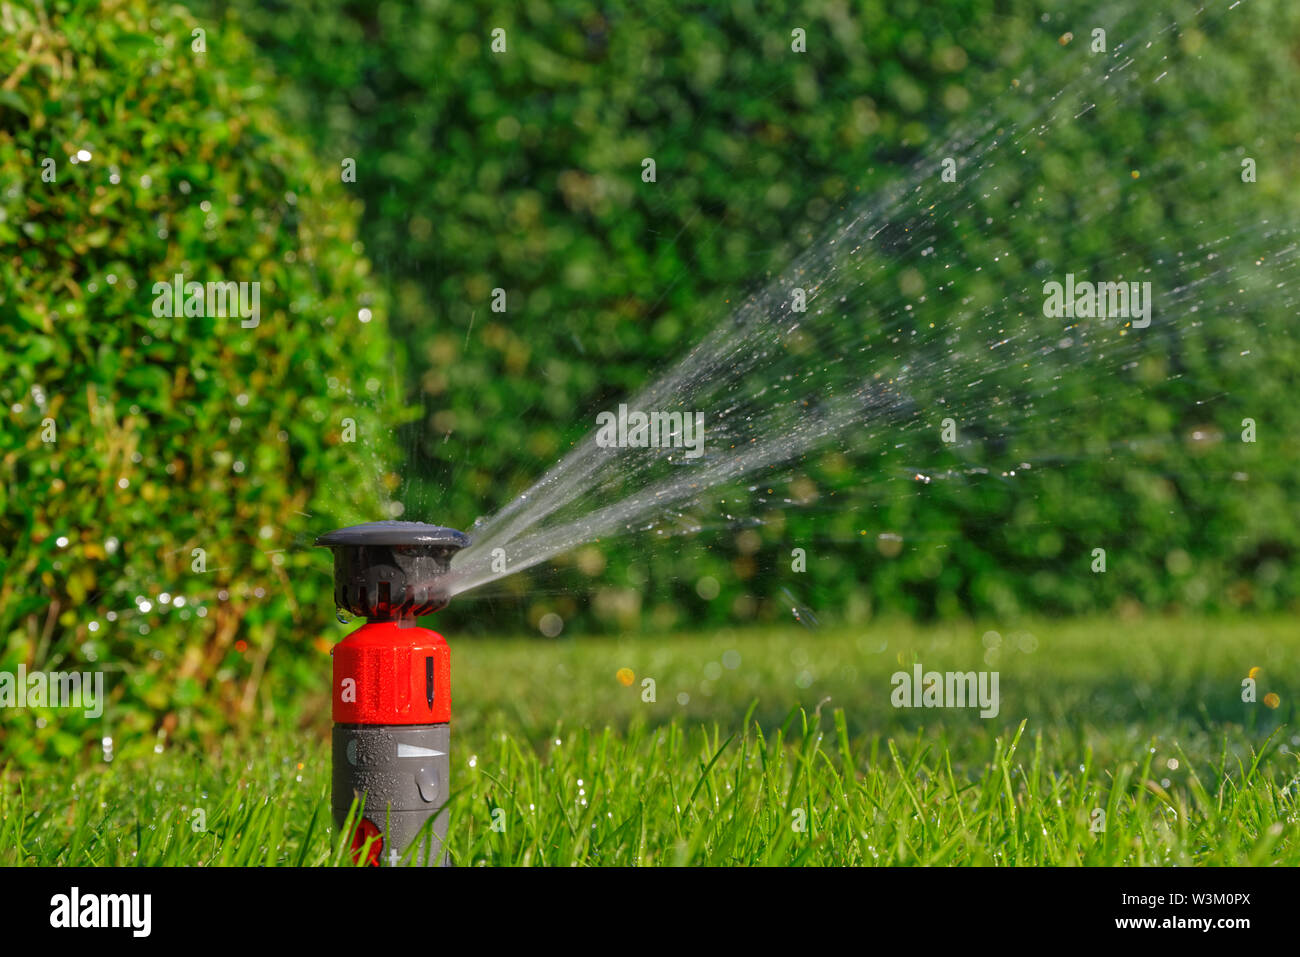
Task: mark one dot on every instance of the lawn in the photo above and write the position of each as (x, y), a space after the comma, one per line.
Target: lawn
(1116, 742)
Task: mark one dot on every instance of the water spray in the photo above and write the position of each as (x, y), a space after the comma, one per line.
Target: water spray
(391, 688)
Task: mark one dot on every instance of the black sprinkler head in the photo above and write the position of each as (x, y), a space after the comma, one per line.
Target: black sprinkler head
(392, 570)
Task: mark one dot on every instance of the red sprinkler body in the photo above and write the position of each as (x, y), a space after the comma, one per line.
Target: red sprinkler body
(391, 689)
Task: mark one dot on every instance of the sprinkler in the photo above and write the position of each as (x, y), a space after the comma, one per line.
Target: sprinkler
(391, 687)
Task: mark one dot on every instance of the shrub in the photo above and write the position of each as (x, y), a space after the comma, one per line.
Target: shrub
(132, 440)
(522, 171)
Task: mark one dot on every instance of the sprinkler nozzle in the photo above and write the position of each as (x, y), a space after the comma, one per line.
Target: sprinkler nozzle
(387, 571)
(392, 688)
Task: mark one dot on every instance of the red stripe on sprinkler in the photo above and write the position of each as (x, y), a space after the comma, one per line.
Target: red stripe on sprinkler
(387, 674)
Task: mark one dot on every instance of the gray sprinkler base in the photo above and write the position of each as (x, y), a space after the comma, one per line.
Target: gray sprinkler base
(403, 772)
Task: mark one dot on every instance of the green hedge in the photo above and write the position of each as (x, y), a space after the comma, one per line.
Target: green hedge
(522, 171)
(181, 433)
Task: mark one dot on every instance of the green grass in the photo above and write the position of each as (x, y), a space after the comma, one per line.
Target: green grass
(1141, 719)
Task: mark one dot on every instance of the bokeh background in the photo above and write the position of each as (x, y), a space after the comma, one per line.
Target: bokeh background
(522, 171)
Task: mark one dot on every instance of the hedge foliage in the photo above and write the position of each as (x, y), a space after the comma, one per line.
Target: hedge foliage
(130, 439)
(521, 170)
